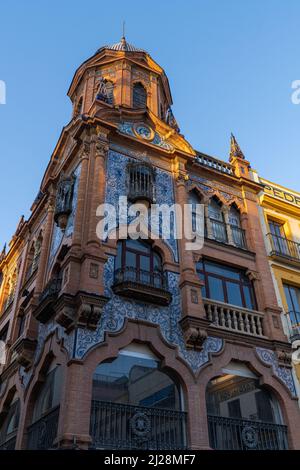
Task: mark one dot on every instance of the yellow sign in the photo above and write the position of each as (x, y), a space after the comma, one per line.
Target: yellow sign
(282, 194)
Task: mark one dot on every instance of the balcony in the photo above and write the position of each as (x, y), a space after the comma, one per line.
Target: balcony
(47, 299)
(219, 233)
(284, 249)
(234, 318)
(238, 237)
(214, 164)
(42, 433)
(244, 434)
(24, 349)
(120, 426)
(219, 230)
(140, 182)
(142, 285)
(294, 325)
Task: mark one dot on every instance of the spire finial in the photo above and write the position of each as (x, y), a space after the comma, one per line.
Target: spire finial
(123, 35)
(235, 150)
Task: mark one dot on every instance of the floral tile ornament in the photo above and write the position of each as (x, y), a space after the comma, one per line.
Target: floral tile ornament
(285, 374)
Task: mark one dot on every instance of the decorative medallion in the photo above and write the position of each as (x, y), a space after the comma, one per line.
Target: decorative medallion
(142, 131)
(140, 425)
(249, 437)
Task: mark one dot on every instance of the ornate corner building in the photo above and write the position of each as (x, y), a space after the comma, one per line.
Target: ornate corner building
(141, 344)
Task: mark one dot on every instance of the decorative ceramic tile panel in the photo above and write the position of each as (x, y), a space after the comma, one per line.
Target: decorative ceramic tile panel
(285, 374)
(116, 187)
(118, 309)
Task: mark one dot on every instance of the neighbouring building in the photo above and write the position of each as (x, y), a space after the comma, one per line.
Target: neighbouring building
(280, 220)
(141, 344)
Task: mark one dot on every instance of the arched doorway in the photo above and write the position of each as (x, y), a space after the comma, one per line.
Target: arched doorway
(242, 414)
(9, 421)
(136, 404)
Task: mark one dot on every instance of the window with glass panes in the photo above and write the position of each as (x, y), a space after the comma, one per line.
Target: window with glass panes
(292, 295)
(280, 244)
(139, 99)
(226, 284)
(138, 255)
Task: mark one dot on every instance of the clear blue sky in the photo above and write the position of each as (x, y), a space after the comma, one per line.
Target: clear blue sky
(230, 64)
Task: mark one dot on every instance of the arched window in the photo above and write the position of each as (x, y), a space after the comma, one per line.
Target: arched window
(46, 412)
(37, 253)
(9, 426)
(30, 257)
(136, 403)
(217, 220)
(10, 289)
(194, 200)
(138, 258)
(139, 96)
(139, 272)
(238, 234)
(242, 414)
(33, 257)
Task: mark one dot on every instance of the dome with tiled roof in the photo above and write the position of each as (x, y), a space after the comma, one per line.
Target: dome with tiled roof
(123, 45)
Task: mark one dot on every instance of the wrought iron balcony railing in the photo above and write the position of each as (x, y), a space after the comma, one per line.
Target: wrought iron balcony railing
(238, 236)
(294, 325)
(244, 434)
(47, 299)
(215, 164)
(148, 285)
(140, 182)
(42, 433)
(219, 230)
(121, 426)
(234, 318)
(9, 444)
(283, 247)
(155, 279)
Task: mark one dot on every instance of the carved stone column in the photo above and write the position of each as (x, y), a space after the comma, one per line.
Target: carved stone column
(193, 322)
(225, 211)
(32, 328)
(265, 291)
(209, 230)
(81, 197)
(244, 226)
(45, 245)
(97, 195)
